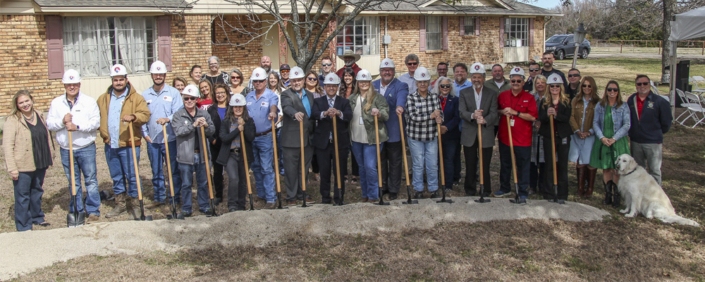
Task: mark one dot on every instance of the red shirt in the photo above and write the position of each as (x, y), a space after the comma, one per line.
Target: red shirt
(521, 131)
(354, 67)
(639, 105)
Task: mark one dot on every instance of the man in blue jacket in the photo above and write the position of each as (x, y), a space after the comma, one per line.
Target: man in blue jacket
(651, 118)
(395, 92)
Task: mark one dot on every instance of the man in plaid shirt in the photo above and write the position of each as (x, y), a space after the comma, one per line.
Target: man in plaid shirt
(423, 113)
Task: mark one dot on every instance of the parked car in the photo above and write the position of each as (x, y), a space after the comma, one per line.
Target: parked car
(563, 46)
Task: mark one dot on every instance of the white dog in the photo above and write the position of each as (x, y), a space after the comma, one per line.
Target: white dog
(642, 194)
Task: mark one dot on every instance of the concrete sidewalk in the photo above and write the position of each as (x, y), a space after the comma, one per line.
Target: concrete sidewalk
(27, 251)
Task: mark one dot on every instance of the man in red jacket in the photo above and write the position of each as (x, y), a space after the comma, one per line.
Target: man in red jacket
(350, 59)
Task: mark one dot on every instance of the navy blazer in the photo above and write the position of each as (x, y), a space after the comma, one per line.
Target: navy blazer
(451, 118)
(321, 135)
(395, 95)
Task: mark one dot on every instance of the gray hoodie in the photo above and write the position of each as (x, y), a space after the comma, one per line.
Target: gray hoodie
(186, 134)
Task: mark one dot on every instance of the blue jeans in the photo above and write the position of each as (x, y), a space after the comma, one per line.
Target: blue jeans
(83, 160)
(425, 152)
(186, 171)
(366, 157)
(263, 167)
(121, 169)
(157, 158)
(451, 152)
(28, 199)
(523, 162)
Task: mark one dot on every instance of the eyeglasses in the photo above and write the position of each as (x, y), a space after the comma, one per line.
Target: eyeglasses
(555, 86)
(312, 78)
(257, 81)
(516, 81)
(612, 89)
(642, 83)
(412, 64)
(587, 86)
(444, 86)
(442, 69)
(220, 93)
(573, 75)
(284, 71)
(190, 98)
(325, 65)
(534, 70)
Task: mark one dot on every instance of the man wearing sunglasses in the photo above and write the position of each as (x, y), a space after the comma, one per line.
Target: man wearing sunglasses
(284, 71)
(412, 63)
(651, 119)
(573, 83)
(326, 68)
(534, 70)
(262, 107)
(548, 70)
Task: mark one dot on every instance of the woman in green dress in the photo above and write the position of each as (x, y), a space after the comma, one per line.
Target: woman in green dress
(611, 126)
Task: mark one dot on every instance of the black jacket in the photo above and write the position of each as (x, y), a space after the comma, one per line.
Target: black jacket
(656, 119)
(215, 117)
(561, 121)
(321, 135)
(227, 137)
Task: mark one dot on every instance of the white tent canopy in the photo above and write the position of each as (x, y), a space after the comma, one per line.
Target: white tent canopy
(686, 26)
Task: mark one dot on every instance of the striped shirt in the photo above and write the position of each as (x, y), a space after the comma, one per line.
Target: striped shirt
(420, 126)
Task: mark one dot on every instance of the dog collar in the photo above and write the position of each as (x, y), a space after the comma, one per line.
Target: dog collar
(630, 172)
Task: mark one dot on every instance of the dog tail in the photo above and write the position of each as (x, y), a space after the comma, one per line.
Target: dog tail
(680, 220)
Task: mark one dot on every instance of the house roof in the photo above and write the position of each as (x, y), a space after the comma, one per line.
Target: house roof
(500, 7)
(114, 3)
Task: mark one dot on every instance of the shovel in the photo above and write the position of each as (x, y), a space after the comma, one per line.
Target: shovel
(482, 169)
(137, 177)
(555, 163)
(173, 214)
(76, 218)
(303, 163)
(208, 173)
(379, 167)
(443, 176)
(337, 162)
(409, 201)
(514, 164)
(276, 167)
(247, 169)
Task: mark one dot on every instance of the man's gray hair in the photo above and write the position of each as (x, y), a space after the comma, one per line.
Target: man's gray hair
(213, 58)
(411, 57)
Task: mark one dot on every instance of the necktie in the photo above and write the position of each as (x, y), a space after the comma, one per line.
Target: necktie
(330, 105)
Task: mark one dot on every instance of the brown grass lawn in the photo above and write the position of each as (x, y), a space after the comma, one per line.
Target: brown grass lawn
(616, 249)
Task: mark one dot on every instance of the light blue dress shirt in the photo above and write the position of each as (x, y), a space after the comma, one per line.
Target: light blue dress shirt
(114, 117)
(162, 105)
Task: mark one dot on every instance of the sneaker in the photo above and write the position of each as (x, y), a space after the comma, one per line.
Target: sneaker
(418, 195)
(269, 206)
(434, 194)
(500, 194)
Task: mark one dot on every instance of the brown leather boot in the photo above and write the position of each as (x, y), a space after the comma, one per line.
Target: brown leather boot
(581, 182)
(119, 208)
(591, 182)
(130, 207)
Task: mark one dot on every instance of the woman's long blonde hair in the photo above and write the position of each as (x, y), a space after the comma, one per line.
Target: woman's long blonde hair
(542, 78)
(16, 110)
(369, 96)
(549, 101)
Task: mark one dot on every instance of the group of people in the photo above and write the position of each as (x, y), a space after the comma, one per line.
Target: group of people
(530, 115)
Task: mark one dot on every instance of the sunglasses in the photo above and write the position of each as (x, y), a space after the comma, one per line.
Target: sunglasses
(555, 86)
(444, 86)
(587, 86)
(325, 65)
(257, 81)
(235, 77)
(642, 83)
(533, 70)
(442, 69)
(612, 89)
(412, 64)
(312, 78)
(190, 98)
(284, 71)
(516, 81)
(573, 75)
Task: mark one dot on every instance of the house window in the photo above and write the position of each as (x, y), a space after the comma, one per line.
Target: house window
(516, 32)
(360, 35)
(93, 44)
(469, 23)
(433, 33)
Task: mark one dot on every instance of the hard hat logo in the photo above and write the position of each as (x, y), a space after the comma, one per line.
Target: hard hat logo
(423, 75)
(555, 79)
(477, 67)
(296, 73)
(330, 79)
(364, 75)
(516, 69)
(117, 69)
(257, 74)
(159, 68)
(237, 100)
(386, 63)
(71, 77)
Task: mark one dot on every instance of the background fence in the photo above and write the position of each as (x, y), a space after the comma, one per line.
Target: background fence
(644, 46)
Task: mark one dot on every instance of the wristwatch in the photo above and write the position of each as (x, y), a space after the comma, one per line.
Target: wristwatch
(518, 113)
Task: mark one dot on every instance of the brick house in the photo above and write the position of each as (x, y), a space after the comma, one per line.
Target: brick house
(39, 39)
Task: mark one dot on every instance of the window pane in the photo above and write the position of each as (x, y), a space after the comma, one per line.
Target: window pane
(360, 35)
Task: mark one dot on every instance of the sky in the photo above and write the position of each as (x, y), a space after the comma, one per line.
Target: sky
(547, 4)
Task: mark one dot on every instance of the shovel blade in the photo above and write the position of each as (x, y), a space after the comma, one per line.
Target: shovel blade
(412, 202)
(75, 219)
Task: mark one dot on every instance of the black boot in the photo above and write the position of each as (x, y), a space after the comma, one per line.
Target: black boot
(608, 193)
(617, 196)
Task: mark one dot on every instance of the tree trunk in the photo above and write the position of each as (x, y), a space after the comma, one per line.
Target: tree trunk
(669, 7)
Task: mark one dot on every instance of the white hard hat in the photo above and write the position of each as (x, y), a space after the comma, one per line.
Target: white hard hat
(332, 78)
(386, 63)
(296, 72)
(158, 67)
(364, 75)
(118, 69)
(258, 74)
(191, 90)
(237, 100)
(422, 74)
(71, 76)
(477, 68)
(554, 79)
(517, 71)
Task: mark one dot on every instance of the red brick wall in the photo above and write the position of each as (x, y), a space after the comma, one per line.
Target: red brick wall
(190, 43)
(245, 57)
